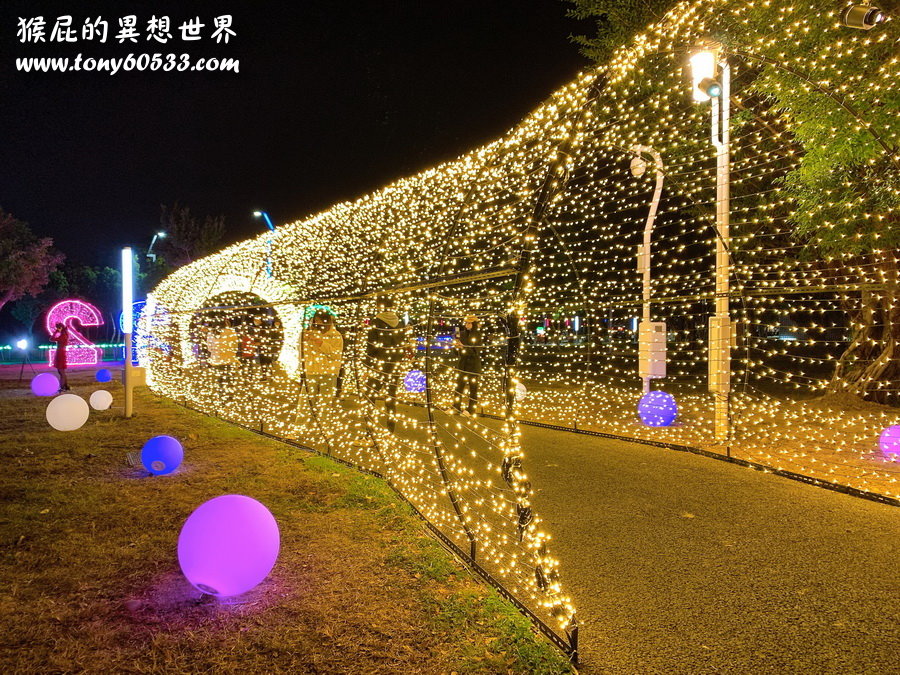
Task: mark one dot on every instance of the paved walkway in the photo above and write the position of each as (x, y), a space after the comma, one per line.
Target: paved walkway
(681, 564)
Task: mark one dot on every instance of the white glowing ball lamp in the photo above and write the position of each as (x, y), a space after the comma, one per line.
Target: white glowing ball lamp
(101, 400)
(68, 412)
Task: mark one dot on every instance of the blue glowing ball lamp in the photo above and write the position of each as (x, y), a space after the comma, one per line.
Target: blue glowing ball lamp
(657, 409)
(44, 384)
(104, 375)
(161, 455)
(889, 441)
(414, 381)
(228, 545)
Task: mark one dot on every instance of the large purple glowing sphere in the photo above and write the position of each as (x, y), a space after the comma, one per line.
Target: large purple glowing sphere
(889, 441)
(44, 384)
(161, 455)
(228, 545)
(657, 409)
(414, 381)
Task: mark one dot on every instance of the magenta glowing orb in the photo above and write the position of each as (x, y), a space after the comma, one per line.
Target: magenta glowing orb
(414, 381)
(44, 384)
(889, 441)
(228, 545)
(657, 409)
(161, 455)
(80, 351)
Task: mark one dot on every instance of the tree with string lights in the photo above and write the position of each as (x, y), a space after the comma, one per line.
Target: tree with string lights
(845, 188)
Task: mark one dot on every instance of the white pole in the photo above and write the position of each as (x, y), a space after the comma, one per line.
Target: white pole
(128, 324)
(648, 231)
(720, 338)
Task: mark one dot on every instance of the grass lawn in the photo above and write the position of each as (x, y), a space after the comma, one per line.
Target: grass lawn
(90, 582)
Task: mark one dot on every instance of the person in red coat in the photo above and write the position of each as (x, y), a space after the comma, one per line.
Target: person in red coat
(61, 338)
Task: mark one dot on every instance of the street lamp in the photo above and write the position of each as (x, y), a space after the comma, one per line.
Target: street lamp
(158, 235)
(710, 85)
(651, 335)
(265, 216)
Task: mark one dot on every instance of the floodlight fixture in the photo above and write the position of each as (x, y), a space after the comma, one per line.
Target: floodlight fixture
(703, 74)
(864, 17)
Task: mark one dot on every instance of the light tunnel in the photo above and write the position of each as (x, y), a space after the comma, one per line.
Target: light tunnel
(536, 235)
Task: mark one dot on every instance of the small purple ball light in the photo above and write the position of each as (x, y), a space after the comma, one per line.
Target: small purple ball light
(657, 409)
(228, 545)
(44, 384)
(414, 381)
(889, 441)
(104, 375)
(161, 455)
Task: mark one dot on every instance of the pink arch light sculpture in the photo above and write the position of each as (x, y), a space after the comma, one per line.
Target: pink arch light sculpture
(80, 352)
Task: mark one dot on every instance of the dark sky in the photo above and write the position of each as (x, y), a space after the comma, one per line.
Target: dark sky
(333, 100)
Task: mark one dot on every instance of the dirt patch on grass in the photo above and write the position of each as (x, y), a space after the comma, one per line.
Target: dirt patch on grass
(89, 579)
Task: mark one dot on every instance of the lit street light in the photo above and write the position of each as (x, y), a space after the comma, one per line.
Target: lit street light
(265, 216)
(651, 335)
(704, 64)
(158, 235)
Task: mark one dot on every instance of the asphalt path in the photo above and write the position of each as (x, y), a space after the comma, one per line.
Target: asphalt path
(678, 563)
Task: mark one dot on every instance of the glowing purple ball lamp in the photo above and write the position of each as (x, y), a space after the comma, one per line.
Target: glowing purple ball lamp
(228, 545)
(161, 455)
(44, 384)
(414, 381)
(657, 409)
(889, 441)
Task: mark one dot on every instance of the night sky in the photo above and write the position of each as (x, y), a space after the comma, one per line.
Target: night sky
(332, 100)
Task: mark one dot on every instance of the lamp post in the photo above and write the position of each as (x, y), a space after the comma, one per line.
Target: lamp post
(651, 364)
(158, 235)
(128, 325)
(265, 216)
(704, 64)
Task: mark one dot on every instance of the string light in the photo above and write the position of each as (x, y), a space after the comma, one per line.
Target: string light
(535, 235)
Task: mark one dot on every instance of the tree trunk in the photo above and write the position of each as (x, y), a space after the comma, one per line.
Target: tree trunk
(870, 366)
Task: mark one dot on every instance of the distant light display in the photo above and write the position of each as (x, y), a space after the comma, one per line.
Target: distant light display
(414, 382)
(80, 351)
(137, 308)
(228, 545)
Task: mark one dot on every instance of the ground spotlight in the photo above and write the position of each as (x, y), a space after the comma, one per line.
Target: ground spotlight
(864, 17)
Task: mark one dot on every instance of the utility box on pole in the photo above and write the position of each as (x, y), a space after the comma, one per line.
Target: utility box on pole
(722, 338)
(652, 350)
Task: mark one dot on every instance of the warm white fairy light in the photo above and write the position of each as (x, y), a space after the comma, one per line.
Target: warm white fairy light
(553, 201)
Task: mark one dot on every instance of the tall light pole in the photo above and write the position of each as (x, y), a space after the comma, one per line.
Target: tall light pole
(704, 65)
(158, 235)
(128, 325)
(651, 349)
(265, 216)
